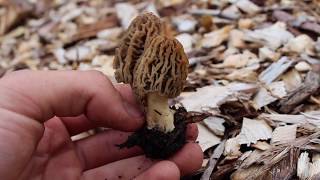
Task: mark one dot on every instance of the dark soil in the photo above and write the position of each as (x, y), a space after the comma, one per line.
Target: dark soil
(157, 144)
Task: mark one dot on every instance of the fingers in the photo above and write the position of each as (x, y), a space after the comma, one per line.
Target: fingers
(192, 132)
(189, 159)
(127, 93)
(79, 124)
(123, 169)
(101, 149)
(138, 167)
(162, 170)
(68, 93)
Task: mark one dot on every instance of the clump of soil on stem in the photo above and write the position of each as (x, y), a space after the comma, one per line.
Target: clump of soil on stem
(157, 144)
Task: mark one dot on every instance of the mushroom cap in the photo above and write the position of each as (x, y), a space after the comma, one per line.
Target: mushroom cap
(137, 38)
(162, 68)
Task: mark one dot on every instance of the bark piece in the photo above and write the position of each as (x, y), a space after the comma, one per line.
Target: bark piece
(283, 168)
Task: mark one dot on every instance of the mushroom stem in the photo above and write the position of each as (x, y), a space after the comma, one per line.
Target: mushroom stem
(158, 113)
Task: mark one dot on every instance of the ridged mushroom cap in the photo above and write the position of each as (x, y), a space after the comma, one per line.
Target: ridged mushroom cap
(137, 38)
(162, 68)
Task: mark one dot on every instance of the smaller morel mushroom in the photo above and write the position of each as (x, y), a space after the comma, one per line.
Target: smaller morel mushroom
(137, 38)
(160, 74)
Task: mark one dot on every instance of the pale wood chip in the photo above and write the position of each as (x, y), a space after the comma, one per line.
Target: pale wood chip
(254, 130)
(284, 134)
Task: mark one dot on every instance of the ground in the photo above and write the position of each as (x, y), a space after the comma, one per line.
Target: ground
(253, 66)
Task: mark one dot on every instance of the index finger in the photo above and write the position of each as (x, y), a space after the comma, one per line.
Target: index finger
(40, 95)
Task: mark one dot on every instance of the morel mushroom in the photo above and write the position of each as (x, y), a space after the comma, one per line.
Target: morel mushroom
(160, 74)
(156, 67)
(137, 38)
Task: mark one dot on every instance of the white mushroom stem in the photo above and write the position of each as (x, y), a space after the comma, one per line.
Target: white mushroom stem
(159, 114)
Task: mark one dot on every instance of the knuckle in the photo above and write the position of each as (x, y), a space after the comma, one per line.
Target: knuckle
(98, 76)
(173, 175)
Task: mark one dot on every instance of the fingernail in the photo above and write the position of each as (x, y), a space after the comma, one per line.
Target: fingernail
(133, 111)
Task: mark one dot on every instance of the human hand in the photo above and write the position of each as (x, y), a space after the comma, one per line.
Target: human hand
(40, 111)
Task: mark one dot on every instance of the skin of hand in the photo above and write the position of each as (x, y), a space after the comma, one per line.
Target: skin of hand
(41, 110)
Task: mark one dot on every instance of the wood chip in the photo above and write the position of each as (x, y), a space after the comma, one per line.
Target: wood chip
(275, 70)
(215, 124)
(284, 134)
(232, 148)
(215, 38)
(14, 11)
(206, 139)
(272, 37)
(301, 44)
(266, 53)
(303, 166)
(270, 93)
(261, 145)
(206, 98)
(306, 118)
(126, 12)
(213, 161)
(87, 31)
(254, 70)
(309, 87)
(292, 79)
(249, 133)
(302, 66)
(248, 6)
